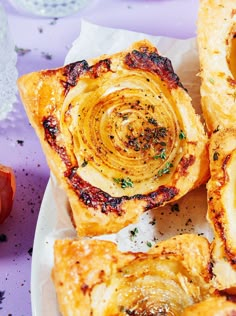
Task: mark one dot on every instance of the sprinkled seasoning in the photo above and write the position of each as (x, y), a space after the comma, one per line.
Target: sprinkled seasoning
(182, 135)
(46, 55)
(211, 80)
(133, 233)
(165, 170)
(54, 21)
(20, 142)
(84, 164)
(217, 129)
(30, 251)
(162, 154)
(1, 297)
(216, 155)
(175, 207)
(3, 238)
(22, 51)
(124, 183)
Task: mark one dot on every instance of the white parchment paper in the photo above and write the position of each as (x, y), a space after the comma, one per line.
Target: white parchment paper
(188, 215)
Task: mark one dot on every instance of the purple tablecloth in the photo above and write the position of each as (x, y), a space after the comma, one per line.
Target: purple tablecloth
(44, 43)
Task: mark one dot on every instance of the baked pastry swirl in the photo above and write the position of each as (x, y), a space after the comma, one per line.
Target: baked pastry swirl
(92, 277)
(119, 133)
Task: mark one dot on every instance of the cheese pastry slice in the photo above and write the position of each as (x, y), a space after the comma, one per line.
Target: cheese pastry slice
(92, 277)
(119, 133)
(216, 37)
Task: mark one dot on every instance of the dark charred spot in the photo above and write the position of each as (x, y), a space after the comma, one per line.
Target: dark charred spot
(84, 288)
(98, 199)
(73, 71)
(52, 130)
(50, 127)
(102, 66)
(185, 163)
(161, 195)
(155, 63)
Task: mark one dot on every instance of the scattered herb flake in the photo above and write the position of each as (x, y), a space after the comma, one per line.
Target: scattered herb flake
(189, 221)
(46, 55)
(3, 238)
(175, 207)
(54, 21)
(216, 155)
(30, 251)
(162, 154)
(124, 183)
(20, 142)
(149, 244)
(153, 221)
(152, 121)
(22, 51)
(212, 81)
(133, 233)
(165, 170)
(84, 164)
(2, 297)
(217, 129)
(182, 135)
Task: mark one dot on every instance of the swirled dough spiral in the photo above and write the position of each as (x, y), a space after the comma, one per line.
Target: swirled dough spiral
(119, 133)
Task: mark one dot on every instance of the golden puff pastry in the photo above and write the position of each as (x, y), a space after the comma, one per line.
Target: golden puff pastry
(93, 277)
(119, 133)
(221, 213)
(216, 37)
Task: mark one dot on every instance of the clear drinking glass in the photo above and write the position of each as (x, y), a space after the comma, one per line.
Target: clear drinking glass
(50, 8)
(8, 72)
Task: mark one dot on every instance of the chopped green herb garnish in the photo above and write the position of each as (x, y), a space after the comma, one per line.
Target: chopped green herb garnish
(165, 170)
(182, 135)
(152, 121)
(22, 51)
(124, 183)
(212, 81)
(133, 233)
(162, 154)
(149, 244)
